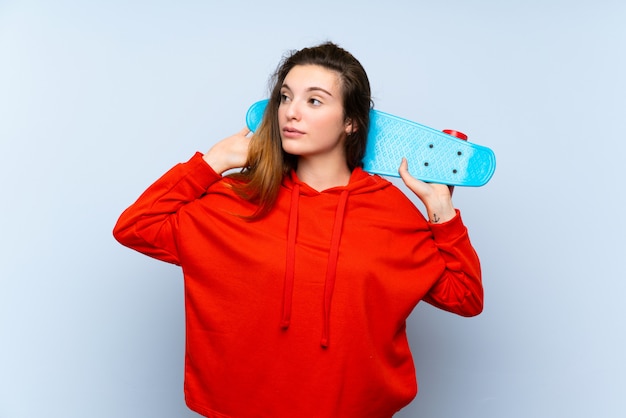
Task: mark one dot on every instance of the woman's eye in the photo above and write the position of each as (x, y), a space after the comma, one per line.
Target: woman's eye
(315, 102)
(284, 98)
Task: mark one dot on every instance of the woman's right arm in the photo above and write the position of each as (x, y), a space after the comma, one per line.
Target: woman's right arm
(150, 225)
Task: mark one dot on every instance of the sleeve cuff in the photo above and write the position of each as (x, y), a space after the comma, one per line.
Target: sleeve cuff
(448, 230)
(203, 173)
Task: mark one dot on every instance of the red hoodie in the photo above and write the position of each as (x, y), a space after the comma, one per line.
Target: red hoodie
(302, 312)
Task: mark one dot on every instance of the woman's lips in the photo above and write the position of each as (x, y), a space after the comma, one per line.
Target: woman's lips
(290, 132)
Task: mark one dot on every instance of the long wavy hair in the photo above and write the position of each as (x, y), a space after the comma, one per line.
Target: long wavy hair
(267, 162)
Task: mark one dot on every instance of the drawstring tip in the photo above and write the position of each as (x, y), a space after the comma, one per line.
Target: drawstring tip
(284, 324)
(324, 342)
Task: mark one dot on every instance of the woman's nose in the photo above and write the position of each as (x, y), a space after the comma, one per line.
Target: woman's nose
(292, 111)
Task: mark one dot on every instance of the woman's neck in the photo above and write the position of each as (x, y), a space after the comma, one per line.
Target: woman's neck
(323, 175)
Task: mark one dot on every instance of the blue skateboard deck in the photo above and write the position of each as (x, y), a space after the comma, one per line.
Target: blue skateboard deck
(433, 156)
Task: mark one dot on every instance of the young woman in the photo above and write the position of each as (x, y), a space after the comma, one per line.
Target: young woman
(301, 269)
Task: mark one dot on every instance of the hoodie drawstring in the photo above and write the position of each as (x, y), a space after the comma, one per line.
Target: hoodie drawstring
(292, 230)
(331, 269)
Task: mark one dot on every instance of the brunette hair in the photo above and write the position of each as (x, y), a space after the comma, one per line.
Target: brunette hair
(267, 162)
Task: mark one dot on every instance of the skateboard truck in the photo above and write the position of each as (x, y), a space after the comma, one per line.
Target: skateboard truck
(461, 136)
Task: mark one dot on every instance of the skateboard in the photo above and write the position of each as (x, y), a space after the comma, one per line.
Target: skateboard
(433, 156)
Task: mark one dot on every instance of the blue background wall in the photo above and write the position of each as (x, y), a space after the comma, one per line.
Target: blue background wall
(98, 98)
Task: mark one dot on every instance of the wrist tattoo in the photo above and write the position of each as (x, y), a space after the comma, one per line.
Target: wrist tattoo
(435, 218)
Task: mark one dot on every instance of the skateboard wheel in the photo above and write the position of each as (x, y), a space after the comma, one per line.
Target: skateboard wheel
(456, 134)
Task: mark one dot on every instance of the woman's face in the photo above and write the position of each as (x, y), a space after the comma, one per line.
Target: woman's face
(311, 115)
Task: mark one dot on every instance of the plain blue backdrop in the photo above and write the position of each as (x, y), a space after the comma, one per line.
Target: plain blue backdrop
(98, 98)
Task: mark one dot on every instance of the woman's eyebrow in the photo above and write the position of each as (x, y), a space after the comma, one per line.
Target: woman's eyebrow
(310, 89)
(320, 89)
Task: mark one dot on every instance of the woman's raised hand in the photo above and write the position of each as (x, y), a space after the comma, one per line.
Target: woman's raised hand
(231, 152)
(437, 198)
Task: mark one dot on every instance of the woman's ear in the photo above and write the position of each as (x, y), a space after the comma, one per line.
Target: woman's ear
(351, 127)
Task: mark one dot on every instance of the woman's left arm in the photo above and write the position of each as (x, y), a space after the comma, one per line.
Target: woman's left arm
(459, 289)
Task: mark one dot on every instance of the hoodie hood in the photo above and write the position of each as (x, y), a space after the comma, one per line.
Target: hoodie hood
(360, 183)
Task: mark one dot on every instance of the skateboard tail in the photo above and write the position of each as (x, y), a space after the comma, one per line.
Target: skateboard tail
(254, 116)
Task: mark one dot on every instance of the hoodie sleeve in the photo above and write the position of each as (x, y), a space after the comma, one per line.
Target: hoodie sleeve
(150, 225)
(459, 290)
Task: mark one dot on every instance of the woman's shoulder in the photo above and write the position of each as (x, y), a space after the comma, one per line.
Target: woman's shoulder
(390, 195)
